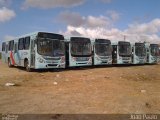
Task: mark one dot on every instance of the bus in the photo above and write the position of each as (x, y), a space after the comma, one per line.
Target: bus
(102, 52)
(39, 50)
(4, 51)
(152, 53)
(139, 53)
(122, 53)
(78, 51)
(159, 55)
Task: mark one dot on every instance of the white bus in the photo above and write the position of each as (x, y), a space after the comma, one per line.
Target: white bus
(102, 52)
(139, 53)
(122, 52)
(39, 50)
(78, 51)
(152, 53)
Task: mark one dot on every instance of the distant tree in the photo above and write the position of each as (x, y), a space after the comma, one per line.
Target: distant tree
(0, 55)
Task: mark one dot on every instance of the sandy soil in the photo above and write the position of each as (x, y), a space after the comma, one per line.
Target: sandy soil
(116, 89)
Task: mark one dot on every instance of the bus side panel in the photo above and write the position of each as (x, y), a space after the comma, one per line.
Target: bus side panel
(4, 58)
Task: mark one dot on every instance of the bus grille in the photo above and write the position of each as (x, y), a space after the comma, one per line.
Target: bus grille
(82, 59)
(105, 57)
(126, 58)
(57, 58)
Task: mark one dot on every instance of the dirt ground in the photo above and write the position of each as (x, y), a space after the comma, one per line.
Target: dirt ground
(114, 89)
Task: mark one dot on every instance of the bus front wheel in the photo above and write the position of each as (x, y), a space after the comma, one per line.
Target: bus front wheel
(26, 64)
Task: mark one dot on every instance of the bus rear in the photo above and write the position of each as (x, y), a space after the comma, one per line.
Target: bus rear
(79, 52)
(102, 52)
(139, 53)
(122, 53)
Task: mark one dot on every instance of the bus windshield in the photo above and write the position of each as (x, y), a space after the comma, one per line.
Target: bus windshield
(50, 47)
(140, 49)
(103, 48)
(154, 49)
(80, 46)
(124, 48)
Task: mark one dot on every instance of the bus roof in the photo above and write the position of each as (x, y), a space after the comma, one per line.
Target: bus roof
(30, 34)
(117, 42)
(67, 38)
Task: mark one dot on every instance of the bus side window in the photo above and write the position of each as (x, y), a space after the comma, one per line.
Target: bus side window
(3, 46)
(21, 44)
(26, 43)
(6, 48)
(11, 45)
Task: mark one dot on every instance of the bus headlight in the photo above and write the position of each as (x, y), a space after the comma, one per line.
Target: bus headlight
(120, 58)
(62, 59)
(74, 59)
(152, 58)
(90, 61)
(137, 58)
(98, 58)
(41, 60)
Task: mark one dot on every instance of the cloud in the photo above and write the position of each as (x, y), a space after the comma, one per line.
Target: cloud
(113, 15)
(101, 21)
(145, 28)
(112, 34)
(147, 32)
(5, 3)
(45, 4)
(76, 20)
(71, 18)
(6, 14)
(106, 1)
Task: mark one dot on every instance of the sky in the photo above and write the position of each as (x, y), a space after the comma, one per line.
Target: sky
(137, 20)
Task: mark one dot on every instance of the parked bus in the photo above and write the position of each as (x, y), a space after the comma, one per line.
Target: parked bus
(78, 51)
(102, 52)
(159, 56)
(38, 50)
(139, 53)
(152, 53)
(122, 53)
(4, 51)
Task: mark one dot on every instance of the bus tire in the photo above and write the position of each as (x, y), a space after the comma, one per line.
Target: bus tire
(9, 63)
(26, 65)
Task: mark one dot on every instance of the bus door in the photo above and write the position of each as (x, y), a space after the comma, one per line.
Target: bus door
(16, 54)
(6, 54)
(32, 57)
